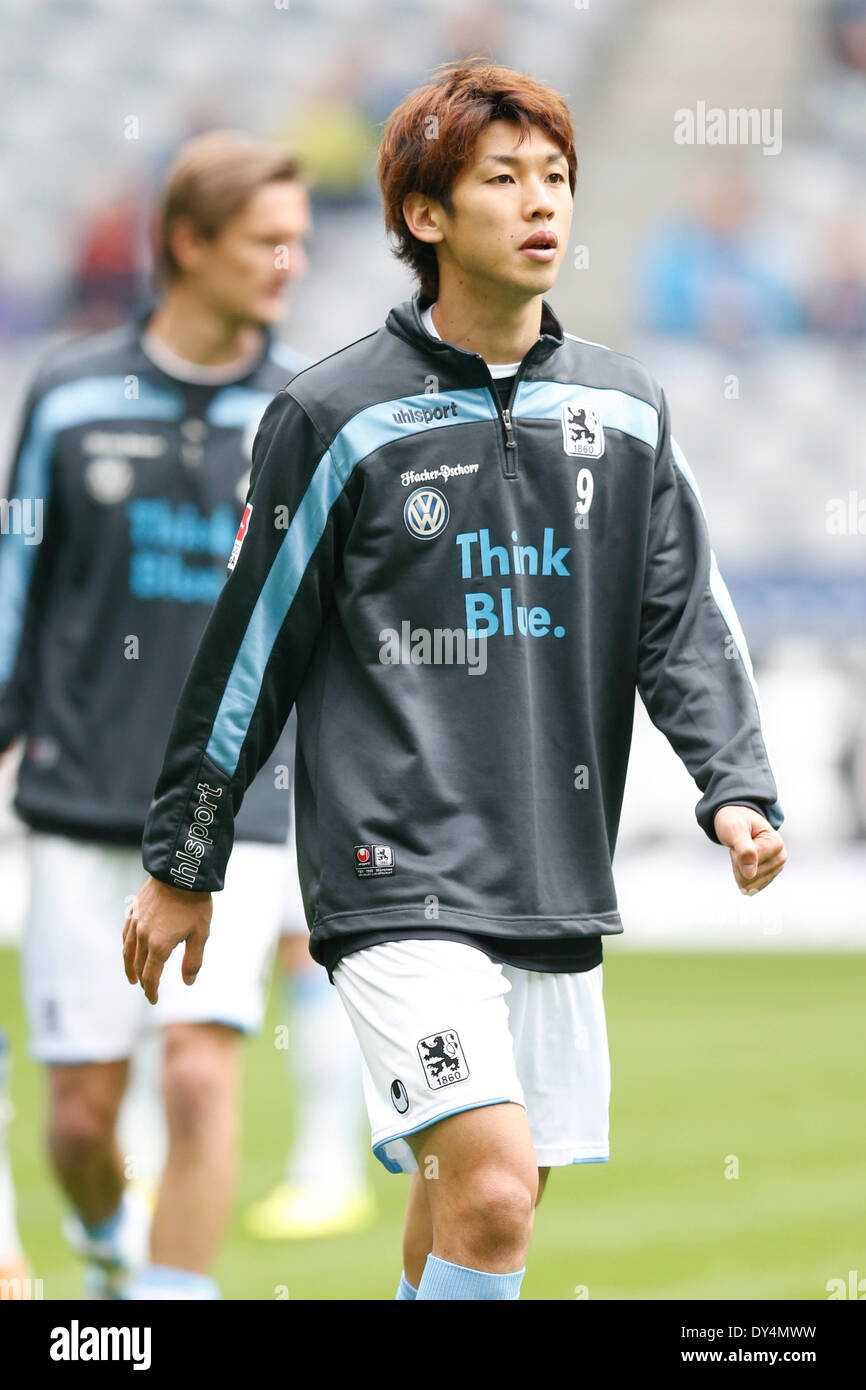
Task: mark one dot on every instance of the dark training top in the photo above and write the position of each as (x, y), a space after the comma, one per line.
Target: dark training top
(461, 599)
(126, 492)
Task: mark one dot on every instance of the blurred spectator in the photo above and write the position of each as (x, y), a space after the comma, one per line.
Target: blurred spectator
(847, 21)
(22, 310)
(331, 135)
(107, 278)
(835, 301)
(838, 99)
(710, 276)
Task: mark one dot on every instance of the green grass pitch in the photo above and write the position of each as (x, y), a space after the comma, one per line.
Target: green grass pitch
(719, 1061)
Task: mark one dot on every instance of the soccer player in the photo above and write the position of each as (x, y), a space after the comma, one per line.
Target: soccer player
(324, 1190)
(14, 1270)
(494, 541)
(129, 477)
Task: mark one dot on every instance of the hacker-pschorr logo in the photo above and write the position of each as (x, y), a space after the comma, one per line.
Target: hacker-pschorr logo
(426, 513)
(582, 432)
(443, 1059)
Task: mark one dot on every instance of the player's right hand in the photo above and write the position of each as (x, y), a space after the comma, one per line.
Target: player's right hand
(160, 917)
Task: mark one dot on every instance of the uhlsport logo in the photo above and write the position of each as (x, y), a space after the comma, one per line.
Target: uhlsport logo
(426, 513)
(399, 1097)
(582, 432)
(443, 1059)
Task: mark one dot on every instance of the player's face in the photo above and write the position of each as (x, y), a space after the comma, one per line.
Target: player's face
(508, 193)
(243, 271)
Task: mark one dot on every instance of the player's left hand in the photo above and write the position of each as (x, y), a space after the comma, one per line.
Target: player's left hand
(757, 850)
(159, 918)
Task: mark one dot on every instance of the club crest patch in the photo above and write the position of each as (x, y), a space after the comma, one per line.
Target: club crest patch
(373, 860)
(443, 1059)
(582, 431)
(109, 480)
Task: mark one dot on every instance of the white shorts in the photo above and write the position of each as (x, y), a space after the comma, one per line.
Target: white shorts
(80, 1005)
(293, 917)
(443, 1028)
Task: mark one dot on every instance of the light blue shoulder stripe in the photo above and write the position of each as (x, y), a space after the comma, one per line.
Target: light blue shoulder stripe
(64, 407)
(275, 598)
(376, 426)
(683, 465)
(543, 400)
(234, 407)
(725, 605)
(363, 435)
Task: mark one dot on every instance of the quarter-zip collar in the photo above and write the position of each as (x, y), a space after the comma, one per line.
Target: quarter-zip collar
(404, 320)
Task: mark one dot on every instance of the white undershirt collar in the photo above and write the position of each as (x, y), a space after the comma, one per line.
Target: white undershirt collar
(184, 370)
(497, 369)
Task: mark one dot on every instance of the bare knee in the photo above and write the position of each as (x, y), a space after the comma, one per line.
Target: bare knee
(83, 1111)
(79, 1128)
(493, 1210)
(294, 953)
(199, 1078)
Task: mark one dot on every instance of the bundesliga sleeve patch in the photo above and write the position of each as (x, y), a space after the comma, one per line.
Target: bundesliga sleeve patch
(239, 538)
(371, 860)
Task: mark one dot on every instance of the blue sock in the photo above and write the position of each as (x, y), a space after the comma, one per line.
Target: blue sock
(405, 1290)
(103, 1230)
(169, 1282)
(441, 1279)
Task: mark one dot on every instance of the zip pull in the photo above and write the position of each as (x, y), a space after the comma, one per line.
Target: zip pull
(510, 441)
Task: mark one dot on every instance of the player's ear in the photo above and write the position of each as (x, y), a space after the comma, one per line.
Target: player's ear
(423, 216)
(186, 244)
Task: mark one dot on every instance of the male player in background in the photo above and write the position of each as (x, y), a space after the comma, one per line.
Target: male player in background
(134, 460)
(469, 471)
(14, 1270)
(324, 1189)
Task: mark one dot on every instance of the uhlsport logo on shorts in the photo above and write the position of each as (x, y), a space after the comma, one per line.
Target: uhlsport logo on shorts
(426, 513)
(399, 1097)
(582, 432)
(443, 1059)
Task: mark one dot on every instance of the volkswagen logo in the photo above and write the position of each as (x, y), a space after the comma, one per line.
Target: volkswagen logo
(426, 513)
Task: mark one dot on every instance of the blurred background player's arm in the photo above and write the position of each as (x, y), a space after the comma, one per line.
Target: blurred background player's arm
(694, 670)
(242, 685)
(25, 544)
